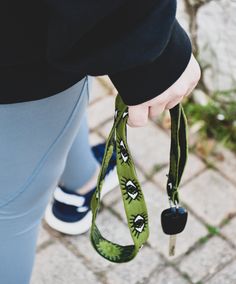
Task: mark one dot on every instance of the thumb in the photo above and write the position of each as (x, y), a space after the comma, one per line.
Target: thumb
(138, 115)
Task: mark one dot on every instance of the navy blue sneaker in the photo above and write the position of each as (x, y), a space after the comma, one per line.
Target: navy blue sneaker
(70, 212)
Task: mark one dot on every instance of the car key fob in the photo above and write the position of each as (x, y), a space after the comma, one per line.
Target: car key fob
(173, 220)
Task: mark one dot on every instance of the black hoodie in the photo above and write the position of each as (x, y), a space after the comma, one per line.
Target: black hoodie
(49, 45)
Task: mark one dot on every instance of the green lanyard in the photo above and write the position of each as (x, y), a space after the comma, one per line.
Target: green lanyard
(132, 195)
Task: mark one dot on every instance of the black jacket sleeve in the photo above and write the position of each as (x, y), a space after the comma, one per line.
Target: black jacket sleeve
(140, 45)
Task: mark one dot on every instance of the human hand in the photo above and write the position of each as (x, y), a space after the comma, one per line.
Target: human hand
(139, 114)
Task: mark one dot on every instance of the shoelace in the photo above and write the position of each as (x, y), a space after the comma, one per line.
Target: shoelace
(132, 195)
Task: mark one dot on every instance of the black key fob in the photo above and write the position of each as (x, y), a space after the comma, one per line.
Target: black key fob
(173, 220)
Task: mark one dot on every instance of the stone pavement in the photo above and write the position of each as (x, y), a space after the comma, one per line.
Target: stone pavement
(205, 251)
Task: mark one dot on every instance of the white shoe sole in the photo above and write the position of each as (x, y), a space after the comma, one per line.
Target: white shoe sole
(70, 228)
(83, 225)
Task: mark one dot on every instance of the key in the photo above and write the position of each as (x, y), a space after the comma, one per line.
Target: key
(173, 221)
(172, 244)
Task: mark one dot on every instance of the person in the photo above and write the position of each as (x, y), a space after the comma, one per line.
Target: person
(49, 52)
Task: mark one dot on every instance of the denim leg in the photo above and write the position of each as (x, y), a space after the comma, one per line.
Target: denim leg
(81, 163)
(35, 140)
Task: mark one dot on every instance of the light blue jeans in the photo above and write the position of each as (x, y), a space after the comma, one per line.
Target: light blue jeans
(42, 142)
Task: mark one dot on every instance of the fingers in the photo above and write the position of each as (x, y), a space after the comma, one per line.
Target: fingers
(186, 83)
(173, 103)
(138, 115)
(156, 110)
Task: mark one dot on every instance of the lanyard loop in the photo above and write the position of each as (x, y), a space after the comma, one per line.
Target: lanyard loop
(132, 195)
(178, 151)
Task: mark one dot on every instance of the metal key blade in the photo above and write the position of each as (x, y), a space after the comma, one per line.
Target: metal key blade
(172, 244)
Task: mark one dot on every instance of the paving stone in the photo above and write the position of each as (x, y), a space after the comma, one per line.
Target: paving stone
(56, 264)
(156, 202)
(149, 145)
(182, 16)
(94, 139)
(108, 83)
(168, 276)
(216, 36)
(137, 270)
(112, 229)
(112, 196)
(207, 259)
(226, 163)
(211, 196)
(97, 90)
(43, 236)
(229, 230)
(225, 276)
(94, 260)
(140, 175)
(106, 128)
(193, 166)
(100, 111)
